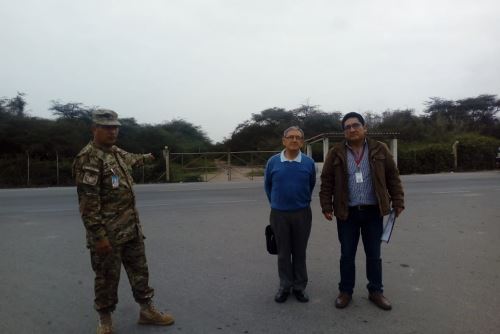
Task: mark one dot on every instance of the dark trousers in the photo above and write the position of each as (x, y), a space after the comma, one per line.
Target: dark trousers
(107, 274)
(292, 230)
(369, 223)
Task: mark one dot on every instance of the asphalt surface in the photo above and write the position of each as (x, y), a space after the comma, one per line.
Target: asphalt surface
(206, 251)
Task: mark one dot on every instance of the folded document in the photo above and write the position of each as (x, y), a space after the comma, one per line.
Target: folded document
(388, 226)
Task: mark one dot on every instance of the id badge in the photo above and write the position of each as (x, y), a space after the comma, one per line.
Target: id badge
(115, 181)
(359, 177)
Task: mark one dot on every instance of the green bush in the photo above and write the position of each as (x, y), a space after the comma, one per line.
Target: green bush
(476, 152)
(431, 158)
(179, 174)
(13, 171)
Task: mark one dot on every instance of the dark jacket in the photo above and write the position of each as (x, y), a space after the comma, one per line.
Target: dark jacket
(334, 195)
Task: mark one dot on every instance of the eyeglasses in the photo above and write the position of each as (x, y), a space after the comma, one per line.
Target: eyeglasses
(354, 126)
(294, 138)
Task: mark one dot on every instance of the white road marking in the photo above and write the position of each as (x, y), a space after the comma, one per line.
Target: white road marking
(230, 202)
(451, 192)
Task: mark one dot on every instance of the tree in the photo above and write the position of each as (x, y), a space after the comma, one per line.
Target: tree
(318, 122)
(14, 106)
(264, 130)
(186, 137)
(409, 126)
(477, 114)
(72, 110)
(271, 117)
(481, 111)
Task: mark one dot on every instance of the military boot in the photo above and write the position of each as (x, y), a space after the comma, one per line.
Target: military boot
(149, 315)
(105, 325)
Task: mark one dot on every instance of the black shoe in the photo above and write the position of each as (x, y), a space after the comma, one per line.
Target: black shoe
(301, 296)
(282, 295)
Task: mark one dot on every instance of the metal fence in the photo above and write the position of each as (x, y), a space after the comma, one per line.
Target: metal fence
(216, 166)
(25, 170)
(53, 169)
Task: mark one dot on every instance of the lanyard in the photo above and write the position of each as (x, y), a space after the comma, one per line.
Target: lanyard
(358, 159)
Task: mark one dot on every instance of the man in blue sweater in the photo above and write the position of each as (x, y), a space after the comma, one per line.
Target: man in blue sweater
(289, 180)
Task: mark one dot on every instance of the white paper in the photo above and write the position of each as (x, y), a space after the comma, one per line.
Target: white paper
(388, 226)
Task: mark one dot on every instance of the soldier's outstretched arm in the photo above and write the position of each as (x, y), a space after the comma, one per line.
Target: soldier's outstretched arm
(133, 159)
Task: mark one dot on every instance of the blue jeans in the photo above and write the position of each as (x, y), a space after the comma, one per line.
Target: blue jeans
(369, 223)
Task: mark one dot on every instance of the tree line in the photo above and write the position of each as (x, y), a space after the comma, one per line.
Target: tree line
(425, 139)
(441, 121)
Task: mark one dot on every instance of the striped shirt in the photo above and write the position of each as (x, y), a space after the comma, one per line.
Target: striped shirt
(360, 193)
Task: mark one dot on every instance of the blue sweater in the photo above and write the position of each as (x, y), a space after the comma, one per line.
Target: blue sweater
(289, 184)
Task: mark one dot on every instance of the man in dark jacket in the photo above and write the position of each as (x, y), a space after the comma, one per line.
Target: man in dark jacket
(359, 183)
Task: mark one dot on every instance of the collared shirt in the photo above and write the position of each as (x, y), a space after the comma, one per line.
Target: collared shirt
(360, 193)
(283, 158)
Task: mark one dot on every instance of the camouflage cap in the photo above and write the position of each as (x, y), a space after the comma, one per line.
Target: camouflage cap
(105, 117)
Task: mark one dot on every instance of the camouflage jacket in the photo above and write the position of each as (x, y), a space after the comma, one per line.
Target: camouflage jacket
(105, 194)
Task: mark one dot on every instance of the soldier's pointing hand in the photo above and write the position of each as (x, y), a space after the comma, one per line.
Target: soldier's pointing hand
(149, 157)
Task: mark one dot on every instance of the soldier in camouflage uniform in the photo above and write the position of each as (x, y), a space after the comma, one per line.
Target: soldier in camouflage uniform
(114, 235)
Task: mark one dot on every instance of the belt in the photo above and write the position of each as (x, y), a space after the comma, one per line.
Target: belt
(363, 207)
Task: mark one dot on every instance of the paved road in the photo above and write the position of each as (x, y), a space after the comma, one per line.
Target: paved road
(205, 246)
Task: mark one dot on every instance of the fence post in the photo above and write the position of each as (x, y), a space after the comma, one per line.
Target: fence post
(143, 164)
(166, 153)
(28, 155)
(454, 151)
(143, 173)
(182, 168)
(229, 166)
(251, 166)
(205, 163)
(57, 168)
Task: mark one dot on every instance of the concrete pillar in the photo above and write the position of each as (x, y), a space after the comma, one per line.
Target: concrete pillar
(394, 149)
(326, 147)
(309, 151)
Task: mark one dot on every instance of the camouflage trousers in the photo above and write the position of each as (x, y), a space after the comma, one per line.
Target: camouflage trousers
(107, 270)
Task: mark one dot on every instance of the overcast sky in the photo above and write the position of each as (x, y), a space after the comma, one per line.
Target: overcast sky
(214, 63)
